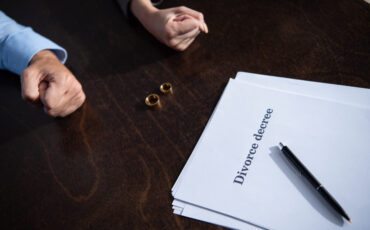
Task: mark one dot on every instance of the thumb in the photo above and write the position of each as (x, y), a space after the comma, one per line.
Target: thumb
(42, 90)
(187, 25)
(30, 80)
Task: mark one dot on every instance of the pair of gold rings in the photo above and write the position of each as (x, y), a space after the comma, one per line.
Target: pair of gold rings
(153, 101)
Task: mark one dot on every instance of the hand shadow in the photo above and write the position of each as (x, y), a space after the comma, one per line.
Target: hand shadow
(305, 188)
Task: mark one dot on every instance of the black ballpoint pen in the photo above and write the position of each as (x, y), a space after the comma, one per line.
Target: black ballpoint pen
(313, 181)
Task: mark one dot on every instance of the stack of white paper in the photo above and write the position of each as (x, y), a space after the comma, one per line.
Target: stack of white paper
(236, 176)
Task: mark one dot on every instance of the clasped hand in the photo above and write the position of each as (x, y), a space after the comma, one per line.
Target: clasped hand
(180, 26)
(175, 27)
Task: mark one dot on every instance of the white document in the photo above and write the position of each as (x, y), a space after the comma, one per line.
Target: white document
(331, 92)
(344, 94)
(205, 215)
(285, 103)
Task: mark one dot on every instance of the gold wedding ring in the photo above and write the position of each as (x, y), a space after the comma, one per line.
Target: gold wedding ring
(152, 100)
(166, 88)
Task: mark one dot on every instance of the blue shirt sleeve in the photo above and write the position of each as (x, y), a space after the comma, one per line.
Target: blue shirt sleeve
(18, 44)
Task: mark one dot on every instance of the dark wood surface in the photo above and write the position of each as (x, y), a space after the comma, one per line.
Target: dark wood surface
(111, 165)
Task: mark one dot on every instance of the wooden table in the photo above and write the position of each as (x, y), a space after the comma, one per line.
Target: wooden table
(111, 165)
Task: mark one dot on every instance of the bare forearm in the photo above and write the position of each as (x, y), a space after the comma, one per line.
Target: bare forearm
(143, 10)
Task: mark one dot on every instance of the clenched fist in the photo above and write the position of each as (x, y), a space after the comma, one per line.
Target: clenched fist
(49, 81)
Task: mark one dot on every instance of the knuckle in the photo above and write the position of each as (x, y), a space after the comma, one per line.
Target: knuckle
(77, 88)
(180, 48)
(64, 114)
(51, 112)
(169, 34)
(64, 77)
(49, 104)
(28, 97)
(28, 73)
(67, 77)
(82, 98)
(79, 101)
(171, 43)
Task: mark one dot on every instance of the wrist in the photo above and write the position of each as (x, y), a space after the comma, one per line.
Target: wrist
(143, 10)
(42, 55)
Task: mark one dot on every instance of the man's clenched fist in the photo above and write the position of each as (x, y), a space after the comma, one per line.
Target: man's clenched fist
(49, 81)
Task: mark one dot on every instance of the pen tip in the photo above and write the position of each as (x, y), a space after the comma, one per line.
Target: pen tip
(350, 220)
(281, 144)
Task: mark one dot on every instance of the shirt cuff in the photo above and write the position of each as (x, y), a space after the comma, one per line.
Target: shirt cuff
(19, 48)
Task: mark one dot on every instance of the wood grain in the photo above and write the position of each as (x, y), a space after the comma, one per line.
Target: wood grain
(111, 165)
